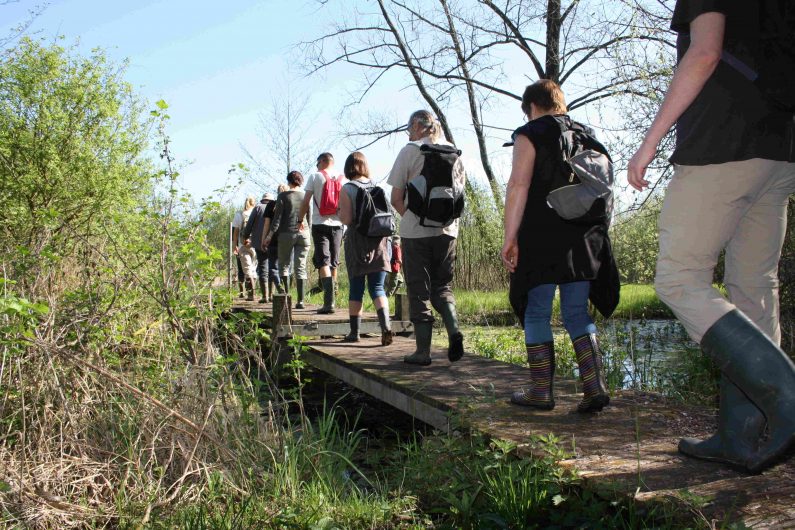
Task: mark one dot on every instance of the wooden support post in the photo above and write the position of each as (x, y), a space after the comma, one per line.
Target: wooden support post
(401, 307)
(282, 316)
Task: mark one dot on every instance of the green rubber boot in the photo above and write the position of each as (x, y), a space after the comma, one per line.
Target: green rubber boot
(763, 373)
(740, 426)
(455, 338)
(423, 331)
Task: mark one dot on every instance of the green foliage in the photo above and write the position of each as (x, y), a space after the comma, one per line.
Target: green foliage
(70, 144)
(635, 242)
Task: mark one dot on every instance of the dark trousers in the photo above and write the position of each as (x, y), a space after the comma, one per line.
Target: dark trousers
(273, 261)
(327, 240)
(428, 270)
(262, 264)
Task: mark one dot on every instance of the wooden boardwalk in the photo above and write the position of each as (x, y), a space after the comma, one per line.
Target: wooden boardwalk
(629, 449)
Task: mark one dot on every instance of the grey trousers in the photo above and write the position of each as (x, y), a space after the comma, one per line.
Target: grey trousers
(737, 206)
(428, 270)
(296, 243)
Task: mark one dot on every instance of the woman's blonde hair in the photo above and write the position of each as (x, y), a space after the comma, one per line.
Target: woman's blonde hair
(249, 204)
(430, 126)
(282, 188)
(546, 95)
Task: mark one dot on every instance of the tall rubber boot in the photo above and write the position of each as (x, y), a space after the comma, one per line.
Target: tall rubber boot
(240, 287)
(299, 288)
(328, 296)
(589, 360)
(423, 332)
(764, 373)
(540, 394)
(250, 289)
(387, 336)
(740, 426)
(263, 287)
(271, 287)
(353, 336)
(455, 338)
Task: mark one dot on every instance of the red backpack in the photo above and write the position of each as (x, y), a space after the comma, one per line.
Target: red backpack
(330, 198)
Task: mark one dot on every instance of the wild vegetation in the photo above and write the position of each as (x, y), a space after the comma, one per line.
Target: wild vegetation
(130, 398)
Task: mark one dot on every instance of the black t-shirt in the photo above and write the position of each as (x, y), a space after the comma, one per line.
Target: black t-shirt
(729, 120)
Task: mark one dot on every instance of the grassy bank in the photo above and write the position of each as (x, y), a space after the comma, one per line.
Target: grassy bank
(493, 308)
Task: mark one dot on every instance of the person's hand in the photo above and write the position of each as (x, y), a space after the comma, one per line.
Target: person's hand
(266, 243)
(234, 251)
(301, 226)
(510, 255)
(636, 170)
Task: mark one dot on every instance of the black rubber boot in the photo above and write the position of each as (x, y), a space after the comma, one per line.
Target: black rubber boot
(386, 327)
(353, 336)
(455, 338)
(285, 285)
(250, 289)
(740, 426)
(423, 332)
(764, 373)
(328, 296)
(242, 291)
(263, 286)
(299, 288)
(271, 287)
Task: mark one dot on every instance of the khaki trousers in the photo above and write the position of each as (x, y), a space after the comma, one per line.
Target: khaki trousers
(737, 206)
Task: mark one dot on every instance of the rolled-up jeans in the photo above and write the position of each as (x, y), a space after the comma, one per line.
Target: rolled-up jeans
(375, 284)
(737, 206)
(428, 270)
(573, 311)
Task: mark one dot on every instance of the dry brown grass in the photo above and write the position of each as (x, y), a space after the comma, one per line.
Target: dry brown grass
(87, 443)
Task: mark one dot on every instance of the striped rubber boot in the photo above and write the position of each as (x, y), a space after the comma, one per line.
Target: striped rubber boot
(589, 359)
(541, 358)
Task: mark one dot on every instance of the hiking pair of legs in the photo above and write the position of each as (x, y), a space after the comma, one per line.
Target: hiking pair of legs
(272, 271)
(739, 207)
(541, 351)
(428, 269)
(297, 245)
(375, 285)
(326, 258)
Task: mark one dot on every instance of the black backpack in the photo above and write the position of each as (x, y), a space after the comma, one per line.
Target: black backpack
(372, 215)
(582, 191)
(434, 195)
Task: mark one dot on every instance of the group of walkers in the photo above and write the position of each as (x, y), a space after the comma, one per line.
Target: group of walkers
(734, 169)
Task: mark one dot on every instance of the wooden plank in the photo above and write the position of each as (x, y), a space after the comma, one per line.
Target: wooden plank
(314, 328)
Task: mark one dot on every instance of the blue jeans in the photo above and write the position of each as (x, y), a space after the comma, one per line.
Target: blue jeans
(375, 284)
(573, 309)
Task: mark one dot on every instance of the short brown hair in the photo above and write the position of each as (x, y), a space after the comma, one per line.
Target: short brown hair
(356, 166)
(295, 178)
(546, 95)
(325, 157)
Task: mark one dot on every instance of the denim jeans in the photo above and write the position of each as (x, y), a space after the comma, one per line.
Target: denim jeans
(375, 284)
(573, 309)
